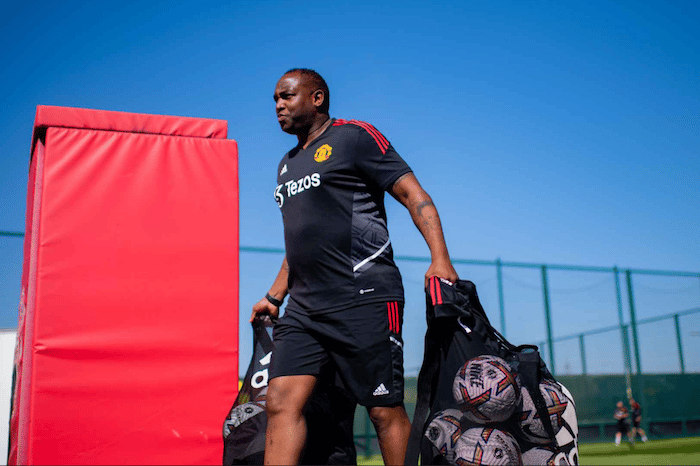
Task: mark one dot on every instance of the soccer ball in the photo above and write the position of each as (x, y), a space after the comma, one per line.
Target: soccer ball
(487, 446)
(567, 438)
(443, 432)
(241, 413)
(545, 456)
(486, 389)
(531, 427)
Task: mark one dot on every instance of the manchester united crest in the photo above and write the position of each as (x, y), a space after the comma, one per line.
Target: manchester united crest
(323, 153)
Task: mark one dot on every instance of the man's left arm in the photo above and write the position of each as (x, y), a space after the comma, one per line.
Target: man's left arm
(408, 191)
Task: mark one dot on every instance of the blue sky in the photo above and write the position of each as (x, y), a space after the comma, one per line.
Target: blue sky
(545, 131)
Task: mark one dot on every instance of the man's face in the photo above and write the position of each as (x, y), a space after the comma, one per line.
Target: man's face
(294, 103)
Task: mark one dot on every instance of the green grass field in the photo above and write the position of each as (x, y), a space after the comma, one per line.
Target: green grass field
(681, 451)
(669, 451)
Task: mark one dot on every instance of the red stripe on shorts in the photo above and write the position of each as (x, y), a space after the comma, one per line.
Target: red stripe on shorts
(388, 311)
(398, 317)
(394, 317)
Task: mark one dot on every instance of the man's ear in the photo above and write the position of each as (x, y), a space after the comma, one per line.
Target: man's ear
(319, 98)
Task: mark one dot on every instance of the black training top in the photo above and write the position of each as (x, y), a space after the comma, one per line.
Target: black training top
(636, 411)
(621, 416)
(331, 195)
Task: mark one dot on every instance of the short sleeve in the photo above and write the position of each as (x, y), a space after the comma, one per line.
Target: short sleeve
(377, 158)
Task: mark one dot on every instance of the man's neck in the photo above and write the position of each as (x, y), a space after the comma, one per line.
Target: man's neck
(316, 129)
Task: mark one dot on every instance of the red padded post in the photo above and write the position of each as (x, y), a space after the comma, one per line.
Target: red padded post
(128, 329)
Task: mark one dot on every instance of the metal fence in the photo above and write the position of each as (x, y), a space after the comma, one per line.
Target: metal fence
(599, 329)
(588, 321)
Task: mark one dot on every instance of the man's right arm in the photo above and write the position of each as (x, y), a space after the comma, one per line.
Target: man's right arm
(278, 291)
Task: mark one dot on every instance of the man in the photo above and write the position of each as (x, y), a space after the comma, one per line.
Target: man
(637, 421)
(622, 417)
(346, 295)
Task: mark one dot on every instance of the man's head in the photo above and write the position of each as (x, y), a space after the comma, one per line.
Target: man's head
(301, 98)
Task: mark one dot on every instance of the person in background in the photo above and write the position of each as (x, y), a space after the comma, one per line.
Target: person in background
(622, 416)
(637, 421)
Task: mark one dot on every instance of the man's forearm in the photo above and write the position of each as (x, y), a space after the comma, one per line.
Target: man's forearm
(280, 286)
(426, 218)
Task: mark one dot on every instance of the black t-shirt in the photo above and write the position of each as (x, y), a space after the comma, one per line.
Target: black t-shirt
(621, 416)
(331, 195)
(636, 412)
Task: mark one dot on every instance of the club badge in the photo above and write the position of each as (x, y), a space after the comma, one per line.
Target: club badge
(323, 153)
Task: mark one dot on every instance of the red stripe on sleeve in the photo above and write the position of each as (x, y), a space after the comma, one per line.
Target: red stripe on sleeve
(372, 130)
(439, 291)
(378, 137)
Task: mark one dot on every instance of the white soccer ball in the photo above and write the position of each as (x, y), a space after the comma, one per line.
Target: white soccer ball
(443, 432)
(531, 427)
(567, 438)
(542, 456)
(487, 446)
(486, 389)
(240, 414)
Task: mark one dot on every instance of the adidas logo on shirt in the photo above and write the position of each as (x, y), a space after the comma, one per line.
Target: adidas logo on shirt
(380, 390)
(284, 170)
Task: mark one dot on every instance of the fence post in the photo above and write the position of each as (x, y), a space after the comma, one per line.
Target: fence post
(623, 335)
(680, 343)
(635, 341)
(548, 318)
(499, 277)
(582, 347)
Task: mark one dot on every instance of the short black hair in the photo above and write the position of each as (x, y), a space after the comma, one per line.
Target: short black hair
(318, 82)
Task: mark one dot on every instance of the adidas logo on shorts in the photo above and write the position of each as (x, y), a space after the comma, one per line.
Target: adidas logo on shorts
(380, 390)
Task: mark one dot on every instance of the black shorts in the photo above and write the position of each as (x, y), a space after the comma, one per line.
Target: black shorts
(363, 342)
(622, 427)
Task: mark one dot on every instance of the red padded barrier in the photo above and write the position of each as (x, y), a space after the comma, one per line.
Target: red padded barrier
(81, 118)
(128, 332)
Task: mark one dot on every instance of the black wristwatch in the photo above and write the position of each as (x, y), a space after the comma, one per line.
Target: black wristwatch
(274, 301)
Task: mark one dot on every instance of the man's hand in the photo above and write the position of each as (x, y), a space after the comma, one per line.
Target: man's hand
(441, 270)
(263, 307)
(277, 291)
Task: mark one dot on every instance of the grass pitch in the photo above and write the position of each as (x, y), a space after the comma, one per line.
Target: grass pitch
(678, 451)
(668, 451)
